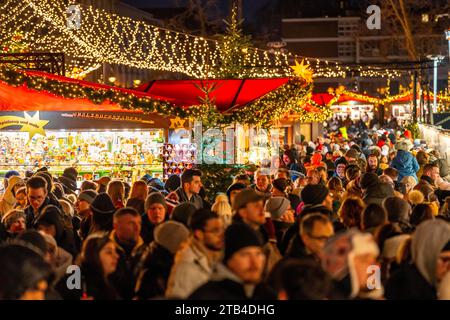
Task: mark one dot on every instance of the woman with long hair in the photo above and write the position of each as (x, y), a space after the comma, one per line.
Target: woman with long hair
(97, 261)
(116, 190)
(138, 194)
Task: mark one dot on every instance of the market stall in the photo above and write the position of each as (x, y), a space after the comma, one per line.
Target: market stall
(38, 128)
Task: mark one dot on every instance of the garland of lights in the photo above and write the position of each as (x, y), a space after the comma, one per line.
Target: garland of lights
(263, 112)
(109, 38)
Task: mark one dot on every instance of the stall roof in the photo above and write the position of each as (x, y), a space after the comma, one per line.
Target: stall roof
(22, 98)
(227, 94)
(184, 93)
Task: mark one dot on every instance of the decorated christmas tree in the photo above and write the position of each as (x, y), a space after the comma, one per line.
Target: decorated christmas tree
(234, 49)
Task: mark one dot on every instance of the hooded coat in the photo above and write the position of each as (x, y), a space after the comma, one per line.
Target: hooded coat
(406, 164)
(418, 281)
(377, 193)
(8, 201)
(64, 237)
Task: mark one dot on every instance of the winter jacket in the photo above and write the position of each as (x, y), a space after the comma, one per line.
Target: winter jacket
(408, 284)
(147, 229)
(297, 250)
(64, 236)
(30, 215)
(406, 164)
(377, 193)
(196, 200)
(154, 270)
(225, 285)
(280, 229)
(125, 276)
(192, 268)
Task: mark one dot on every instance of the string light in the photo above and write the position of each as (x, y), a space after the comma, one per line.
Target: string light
(104, 37)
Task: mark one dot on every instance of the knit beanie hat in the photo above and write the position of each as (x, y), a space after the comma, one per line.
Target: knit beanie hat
(146, 177)
(88, 196)
(314, 194)
(238, 236)
(183, 212)
(235, 186)
(11, 173)
(280, 184)
(244, 197)
(102, 205)
(172, 183)
(155, 197)
(368, 180)
(277, 206)
(340, 160)
(171, 235)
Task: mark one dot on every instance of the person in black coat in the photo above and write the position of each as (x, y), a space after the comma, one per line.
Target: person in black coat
(38, 199)
(155, 214)
(239, 277)
(50, 221)
(315, 229)
(157, 260)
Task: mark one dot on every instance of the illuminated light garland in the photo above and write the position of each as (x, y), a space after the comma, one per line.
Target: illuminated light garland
(105, 37)
(264, 112)
(110, 38)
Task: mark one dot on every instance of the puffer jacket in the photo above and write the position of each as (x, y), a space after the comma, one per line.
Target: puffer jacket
(406, 164)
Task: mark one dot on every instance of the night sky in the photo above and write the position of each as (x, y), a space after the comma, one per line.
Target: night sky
(250, 6)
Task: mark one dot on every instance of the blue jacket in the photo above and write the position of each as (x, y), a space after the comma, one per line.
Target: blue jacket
(406, 164)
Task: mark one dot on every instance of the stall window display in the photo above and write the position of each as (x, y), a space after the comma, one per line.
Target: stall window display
(92, 152)
(177, 157)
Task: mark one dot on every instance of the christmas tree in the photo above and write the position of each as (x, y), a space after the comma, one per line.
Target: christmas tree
(234, 50)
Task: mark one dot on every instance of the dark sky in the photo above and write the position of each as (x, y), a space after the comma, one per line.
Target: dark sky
(250, 6)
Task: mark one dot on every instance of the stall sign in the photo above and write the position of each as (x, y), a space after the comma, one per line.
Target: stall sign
(31, 124)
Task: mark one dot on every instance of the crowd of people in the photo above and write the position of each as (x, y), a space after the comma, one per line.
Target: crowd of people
(365, 217)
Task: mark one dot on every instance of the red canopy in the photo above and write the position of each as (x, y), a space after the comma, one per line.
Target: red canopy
(226, 93)
(185, 93)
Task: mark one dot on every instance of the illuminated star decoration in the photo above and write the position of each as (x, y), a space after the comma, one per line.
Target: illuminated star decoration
(33, 125)
(177, 123)
(303, 70)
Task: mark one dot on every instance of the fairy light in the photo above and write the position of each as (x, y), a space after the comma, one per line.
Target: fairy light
(109, 38)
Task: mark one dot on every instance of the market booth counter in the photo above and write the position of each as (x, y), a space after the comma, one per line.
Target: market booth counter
(38, 128)
(96, 143)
